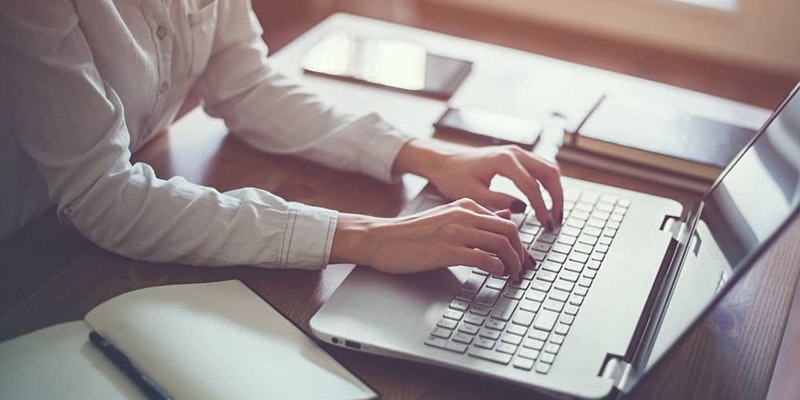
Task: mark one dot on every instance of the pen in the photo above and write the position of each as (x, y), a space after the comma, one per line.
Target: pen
(150, 388)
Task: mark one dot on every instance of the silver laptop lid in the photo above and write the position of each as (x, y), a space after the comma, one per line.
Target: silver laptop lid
(736, 220)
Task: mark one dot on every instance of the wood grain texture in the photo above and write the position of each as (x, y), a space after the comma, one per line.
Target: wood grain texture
(50, 274)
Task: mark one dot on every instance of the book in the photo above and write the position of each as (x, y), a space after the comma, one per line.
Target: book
(661, 137)
(196, 341)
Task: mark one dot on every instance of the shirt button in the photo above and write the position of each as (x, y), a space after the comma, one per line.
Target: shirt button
(163, 88)
(161, 31)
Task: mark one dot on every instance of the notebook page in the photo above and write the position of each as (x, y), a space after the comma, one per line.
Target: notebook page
(220, 340)
(58, 362)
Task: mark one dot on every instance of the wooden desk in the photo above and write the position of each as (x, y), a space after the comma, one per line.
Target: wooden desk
(50, 274)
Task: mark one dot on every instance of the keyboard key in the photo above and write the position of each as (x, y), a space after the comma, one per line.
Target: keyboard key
(578, 214)
(504, 309)
(529, 229)
(528, 273)
(597, 256)
(534, 344)
(453, 314)
(541, 246)
(457, 347)
(594, 265)
(511, 338)
(484, 343)
(447, 323)
(489, 333)
(570, 231)
(526, 238)
(605, 207)
(545, 319)
(529, 305)
(474, 319)
(616, 217)
(590, 196)
(562, 285)
(590, 240)
(441, 332)
(561, 329)
(469, 329)
(547, 358)
(601, 248)
(573, 266)
(547, 237)
(542, 368)
(567, 239)
(624, 203)
(537, 334)
(495, 324)
(576, 300)
(501, 358)
(522, 317)
(495, 283)
(612, 225)
(517, 330)
(545, 276)
(513, 293)
(480, 310)
(552, 305)
(583, 248)
(590, 274)
(608, 199)
(609, 232)
(522, 284)
(605, 240)
(551, 266)
(465, 296)
(552, 348)
(479, 272)
(562, 248)
(581, 291)
(585, 282)
(556, 338)
(473, 283)
(556, 293)
(487, 296)
(523, 363)
(569, 276)
(530, 354)
(538, 294)
(579, 257)
(584, 206)
(601, 215)
(596, 222)
(571, 309)
(537, 255)
(459, 305)
(557, 257)
(507, 348)
(436, 342)
(590, 231)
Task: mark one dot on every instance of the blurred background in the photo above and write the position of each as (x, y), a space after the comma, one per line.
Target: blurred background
(744, 50)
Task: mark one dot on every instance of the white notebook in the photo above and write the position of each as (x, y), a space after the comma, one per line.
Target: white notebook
(196, 341)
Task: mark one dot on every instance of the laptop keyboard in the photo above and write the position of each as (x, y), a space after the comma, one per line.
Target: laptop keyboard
(525, 324)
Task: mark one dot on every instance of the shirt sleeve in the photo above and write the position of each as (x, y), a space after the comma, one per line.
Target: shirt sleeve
(276, 115)
(71, 124)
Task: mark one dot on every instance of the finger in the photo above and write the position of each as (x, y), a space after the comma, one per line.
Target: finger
(471, 205)
(481, 260)
(495, 244)
(491, 199)
(506, 228)
(504, 214)
(550, 177)
(530, 188)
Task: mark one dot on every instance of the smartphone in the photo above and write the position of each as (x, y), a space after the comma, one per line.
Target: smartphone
(388, 63)
(488, 127)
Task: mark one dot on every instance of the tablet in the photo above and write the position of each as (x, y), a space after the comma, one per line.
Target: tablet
(388, 63)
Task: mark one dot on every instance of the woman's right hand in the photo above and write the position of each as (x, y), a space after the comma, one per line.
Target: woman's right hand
(460, 233)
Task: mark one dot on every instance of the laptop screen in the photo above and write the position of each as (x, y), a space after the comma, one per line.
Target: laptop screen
(737, 215)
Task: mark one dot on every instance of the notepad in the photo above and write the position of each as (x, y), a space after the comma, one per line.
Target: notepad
(196, 341)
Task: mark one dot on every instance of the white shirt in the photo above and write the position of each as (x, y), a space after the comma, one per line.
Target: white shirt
(87, 82)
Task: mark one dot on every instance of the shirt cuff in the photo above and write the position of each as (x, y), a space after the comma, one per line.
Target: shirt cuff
(309, 237)
(381, 150)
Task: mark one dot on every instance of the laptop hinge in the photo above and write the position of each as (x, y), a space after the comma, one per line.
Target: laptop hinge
(617, 370)
(678, 229)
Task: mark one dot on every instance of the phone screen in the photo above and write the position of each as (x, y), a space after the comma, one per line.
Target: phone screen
(390, 63)
(496, 128)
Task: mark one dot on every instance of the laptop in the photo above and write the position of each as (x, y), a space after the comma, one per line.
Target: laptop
(615, 287)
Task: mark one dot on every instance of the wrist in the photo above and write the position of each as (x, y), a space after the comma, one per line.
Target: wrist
(350, 239)
(421, 157)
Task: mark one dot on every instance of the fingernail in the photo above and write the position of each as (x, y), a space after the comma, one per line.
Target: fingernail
(517, 206)
(505, 214)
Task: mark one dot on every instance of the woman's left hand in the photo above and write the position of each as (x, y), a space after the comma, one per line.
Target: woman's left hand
(467, 172)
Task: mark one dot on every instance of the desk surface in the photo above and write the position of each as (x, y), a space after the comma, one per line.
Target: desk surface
(51, 274)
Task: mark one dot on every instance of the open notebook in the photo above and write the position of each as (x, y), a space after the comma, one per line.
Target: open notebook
(197, 341)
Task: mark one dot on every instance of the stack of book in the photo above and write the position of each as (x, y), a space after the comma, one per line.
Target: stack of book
(654, 142)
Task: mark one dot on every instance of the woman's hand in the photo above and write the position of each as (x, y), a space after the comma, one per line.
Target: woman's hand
(467, 172)
(459, 233)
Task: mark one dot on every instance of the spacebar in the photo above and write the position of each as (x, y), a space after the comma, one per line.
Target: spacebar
(490, 355)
